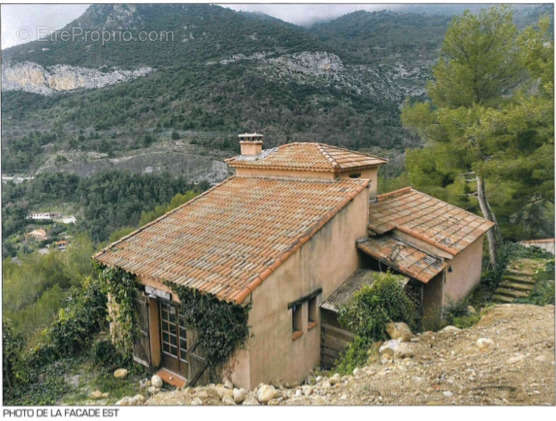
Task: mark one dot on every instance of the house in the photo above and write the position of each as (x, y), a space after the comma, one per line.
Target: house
(37, 234)
(547, 244)
(281, 236)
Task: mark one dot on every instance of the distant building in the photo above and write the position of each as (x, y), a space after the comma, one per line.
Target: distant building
(547, 244)
(294, 224)
(61, 245)
(38, 234)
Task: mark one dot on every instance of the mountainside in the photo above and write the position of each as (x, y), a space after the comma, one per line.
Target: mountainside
(107, 95)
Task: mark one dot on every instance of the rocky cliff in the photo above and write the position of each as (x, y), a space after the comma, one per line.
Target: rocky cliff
(34, 78)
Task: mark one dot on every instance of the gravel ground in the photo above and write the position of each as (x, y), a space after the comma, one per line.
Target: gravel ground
(511, 364)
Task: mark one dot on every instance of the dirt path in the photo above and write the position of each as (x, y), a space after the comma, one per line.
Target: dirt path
(448, 368)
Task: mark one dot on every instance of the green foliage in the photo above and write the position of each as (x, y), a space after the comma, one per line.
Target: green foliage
(13, 370)
(106, 355)
(489, 119)
(543, 292)
(367, 314)
(122, 287)
(83, 315)
(221, 326)
(119, 233)
(458, 315)
(373, 306)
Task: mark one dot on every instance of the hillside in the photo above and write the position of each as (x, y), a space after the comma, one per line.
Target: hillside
(86, 105)
(445, 368)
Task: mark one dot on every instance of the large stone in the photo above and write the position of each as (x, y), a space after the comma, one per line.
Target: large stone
(196, 402)
(228, 384)
(97, 394)
(485, 344)
(120, 373)
(266, 392)
(239, 395)
(399, 331)
(228, 400)
(395, 348)
(250, 401)
(222, 391)
(307, 389)
(137, 400)
(156, 381)
(125, 401)
(450, 329)
(336, 378)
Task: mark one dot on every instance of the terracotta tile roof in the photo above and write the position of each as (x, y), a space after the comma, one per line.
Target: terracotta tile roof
(307, 156)
(424, 217)
(228, 240)
(402, 257)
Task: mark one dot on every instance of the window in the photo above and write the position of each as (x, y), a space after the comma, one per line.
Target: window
(312, 311)
(296, 318)
(355, 175)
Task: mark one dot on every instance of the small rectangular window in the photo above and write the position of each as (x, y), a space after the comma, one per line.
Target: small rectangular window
(312, 313)
(296, 318)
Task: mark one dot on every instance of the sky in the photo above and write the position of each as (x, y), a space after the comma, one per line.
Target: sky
(27, 22)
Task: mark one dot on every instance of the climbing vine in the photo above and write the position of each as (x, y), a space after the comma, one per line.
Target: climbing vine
(220, 326)
(121, 287)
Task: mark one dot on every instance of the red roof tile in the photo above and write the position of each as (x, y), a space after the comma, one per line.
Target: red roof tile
(402, 257)
(307, 156)
(228, 240)
(424, 217)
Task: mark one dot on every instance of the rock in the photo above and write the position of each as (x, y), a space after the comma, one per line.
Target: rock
(318, 379)
(540, 358)
(137, 400)
(307, 390)
(125, 401)
(239, 395)
(228, 400)
(228, 384)
(485, 344)
(120, 373)
(448, 394)
(222, 391)
(395, 348)
(152, 390)
(266, 393)
(97, 394)
(250, 401)
(336, 378)
(399, 331)
(356, 371)
(156, 381)
(515, 359)
(450, 329)
(298, 393)
(196, 401)
(471, 310)
(325, 384)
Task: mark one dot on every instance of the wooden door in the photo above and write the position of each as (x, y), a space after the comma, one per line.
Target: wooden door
(141, 348)
(173, 339)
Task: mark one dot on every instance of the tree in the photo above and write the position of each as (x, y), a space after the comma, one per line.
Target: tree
(486, 70)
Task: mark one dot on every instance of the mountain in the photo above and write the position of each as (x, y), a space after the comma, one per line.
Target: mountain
(176, 102)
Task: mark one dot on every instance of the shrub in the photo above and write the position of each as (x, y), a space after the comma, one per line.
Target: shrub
(105, 354)
(372, 307)
(12, 349)
(366, 315)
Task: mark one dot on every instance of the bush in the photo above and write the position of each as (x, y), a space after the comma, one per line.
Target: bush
(367, 314)
(543, 292)
(12, 367)
(372, 307)
(104, 354)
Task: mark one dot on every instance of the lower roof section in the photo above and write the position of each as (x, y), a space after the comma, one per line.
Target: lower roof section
(402, 257)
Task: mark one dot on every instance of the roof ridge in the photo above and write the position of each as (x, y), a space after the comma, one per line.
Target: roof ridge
(327, 155)
(395, 193)
(138, 230)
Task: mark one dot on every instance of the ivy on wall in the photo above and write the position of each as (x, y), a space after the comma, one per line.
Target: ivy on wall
(220, 326)
(121, 287)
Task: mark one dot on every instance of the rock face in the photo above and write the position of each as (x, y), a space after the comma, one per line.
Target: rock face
(34, 78)
(399, 331)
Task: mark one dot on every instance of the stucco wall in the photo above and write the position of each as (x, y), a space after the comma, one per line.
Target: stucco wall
(465, 273)
(323, 262)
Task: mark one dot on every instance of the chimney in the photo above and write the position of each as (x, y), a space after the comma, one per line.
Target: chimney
(251, 143)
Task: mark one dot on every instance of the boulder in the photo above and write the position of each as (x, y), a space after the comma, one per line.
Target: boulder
(399, 331)
(120, 373)
(471, 310)
(156, 381)
(222, 391)
(485, 344)
(395, 348)
(97, 394)
(239, 395)
(307, 389)
(143, 384)
(450, 329)
(152, 390)
(250, 401)
(196, 401)
(125, 401)
(265, 393)
(336, 378)
(228, 400)
(137, 400)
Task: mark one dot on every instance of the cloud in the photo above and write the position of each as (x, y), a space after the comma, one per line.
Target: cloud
(306, 14)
